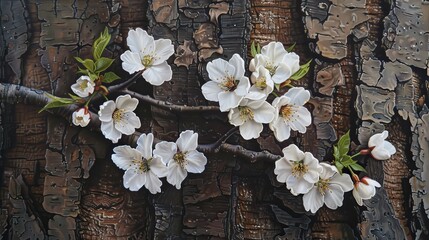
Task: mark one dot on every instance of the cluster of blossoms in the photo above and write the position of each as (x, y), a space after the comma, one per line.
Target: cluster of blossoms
(322, 183)
(247, 103)
(144, 166)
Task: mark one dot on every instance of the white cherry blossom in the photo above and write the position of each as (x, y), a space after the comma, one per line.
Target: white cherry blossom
(280, 63)
(83, 86)
(228, 85)
(329, 190)
(181, 157)
(381, 149)
(118, 118)
(299, 170)
(364, 189)
(141, 168)
(81, 117)
(149, 55)
(262, 84)
(250, 115)
(291, 113)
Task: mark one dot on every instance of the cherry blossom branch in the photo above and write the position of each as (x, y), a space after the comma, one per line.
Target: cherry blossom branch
(169, 106)
(251, 156)
(215, 147)
(126, 83)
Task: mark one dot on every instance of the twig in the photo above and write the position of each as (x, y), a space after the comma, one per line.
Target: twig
(215, 147)
(249, 155)
(125, 84)
(168, 106)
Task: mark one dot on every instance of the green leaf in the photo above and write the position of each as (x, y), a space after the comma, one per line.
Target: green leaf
(346, 160)
(102, 64)
(74, 97)
(303, 69)
(56, 102)
(339, 166)
(253, 51)
(344, 144)
(110, 77)
(289, 49)
(83, 71)
(357, 167)
(277, 86)
(100, 44)
(337, 155)
(258, 48)
(88, 63)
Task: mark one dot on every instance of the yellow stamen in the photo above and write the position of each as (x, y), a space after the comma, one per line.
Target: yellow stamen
(230, 84)
(147, 61)
(287, 112)
(246, 113)
(83, 85)
(299, 169)
(261, 83)
(143, 165)
(118, 115)
(323, 186)
(271, 68)
(179, 157)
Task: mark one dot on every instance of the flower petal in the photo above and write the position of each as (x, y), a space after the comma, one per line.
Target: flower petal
(144, 145)
(140, 42)
(153, 184)
(292, 60)
(124, 156)
(243, 87)
(158, 167)
(264, 114)
(110, 132)
(126, 103)
(165, 150)
(283, 169)
(250, 129)
(106, 111)
(238, 64)
(158, 74)
(176, 174)
(275, 51)
(298, 185)
(377, 139)
(293, 153)
(187, 141)
(298, 95)
(357, 197)
(313, 200)
(134, 179)
(131, 62)
(228, 100)
(128, 123)
(281, 129)
(343, 180)
(334, 197)
(219, 70)
(163, 50)
(234, 117)
(211, 91)
(196, 161)
(283, 73)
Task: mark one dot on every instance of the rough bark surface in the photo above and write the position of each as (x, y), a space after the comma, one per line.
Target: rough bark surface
(369, 73)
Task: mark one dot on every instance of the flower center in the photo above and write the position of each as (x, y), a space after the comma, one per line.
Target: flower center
(143, 165)
(230, 84)
(261, 83)
(323, 186)
(299, 169)
(271, 68)
(79, 118)
(118, 115)
(246, 113)
(83, 85)
(147, 61)
(287, 112)
(179, 157)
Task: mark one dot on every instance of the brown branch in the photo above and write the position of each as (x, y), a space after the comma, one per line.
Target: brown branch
(249, 155)
(215, 147)
(125, 84)
(169, 106)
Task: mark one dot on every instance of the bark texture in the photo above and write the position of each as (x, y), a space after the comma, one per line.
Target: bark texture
(369, 73)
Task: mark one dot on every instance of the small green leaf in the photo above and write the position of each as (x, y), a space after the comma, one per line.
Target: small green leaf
(344, 144)
(102, 64)
(83, 71)
(339, 166)
(74, 97)
(253, 51)
(88, 63)
(357, 167)
(100, 44)
(258, 48)
(346, 160)
(110, 77)
(289, 49)
(277, 86)
(303, 69)
(337, 155)
(56, 102)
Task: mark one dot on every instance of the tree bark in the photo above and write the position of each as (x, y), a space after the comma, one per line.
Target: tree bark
(369, 73)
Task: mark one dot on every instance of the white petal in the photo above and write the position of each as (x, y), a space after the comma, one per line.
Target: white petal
(298, 95)
(133, 179)
(144, 145)
(302, 120)
(176, 175)
(187, 141)
(292, 60)
(106, 111)
(357, 197)
(128, 123)
(283, 73)
(158, 167)
(298, 185)
(131, 62)
(313, 200)
(124, 156)
(281, 129)
(328, 171)
(211, 91)
(153, 184)
(243, 87)
(377, 139)
(293, 153)
(265, 113)
(251, 129)
(219, 70)
(380, 153)
(110, 132)
(238, 63)
(334, 197)
(389, 147)
(343, 180)
(140, 42)
(275, 51)
(371, 182)
(163, 50)
(196, 162)
(165, 150)
(126, 103)
(158, 74)
(283, 169)
(228, 100)
(364, 191)
(234, 117)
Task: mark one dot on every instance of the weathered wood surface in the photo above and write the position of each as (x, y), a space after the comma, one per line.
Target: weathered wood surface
(369, 73)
